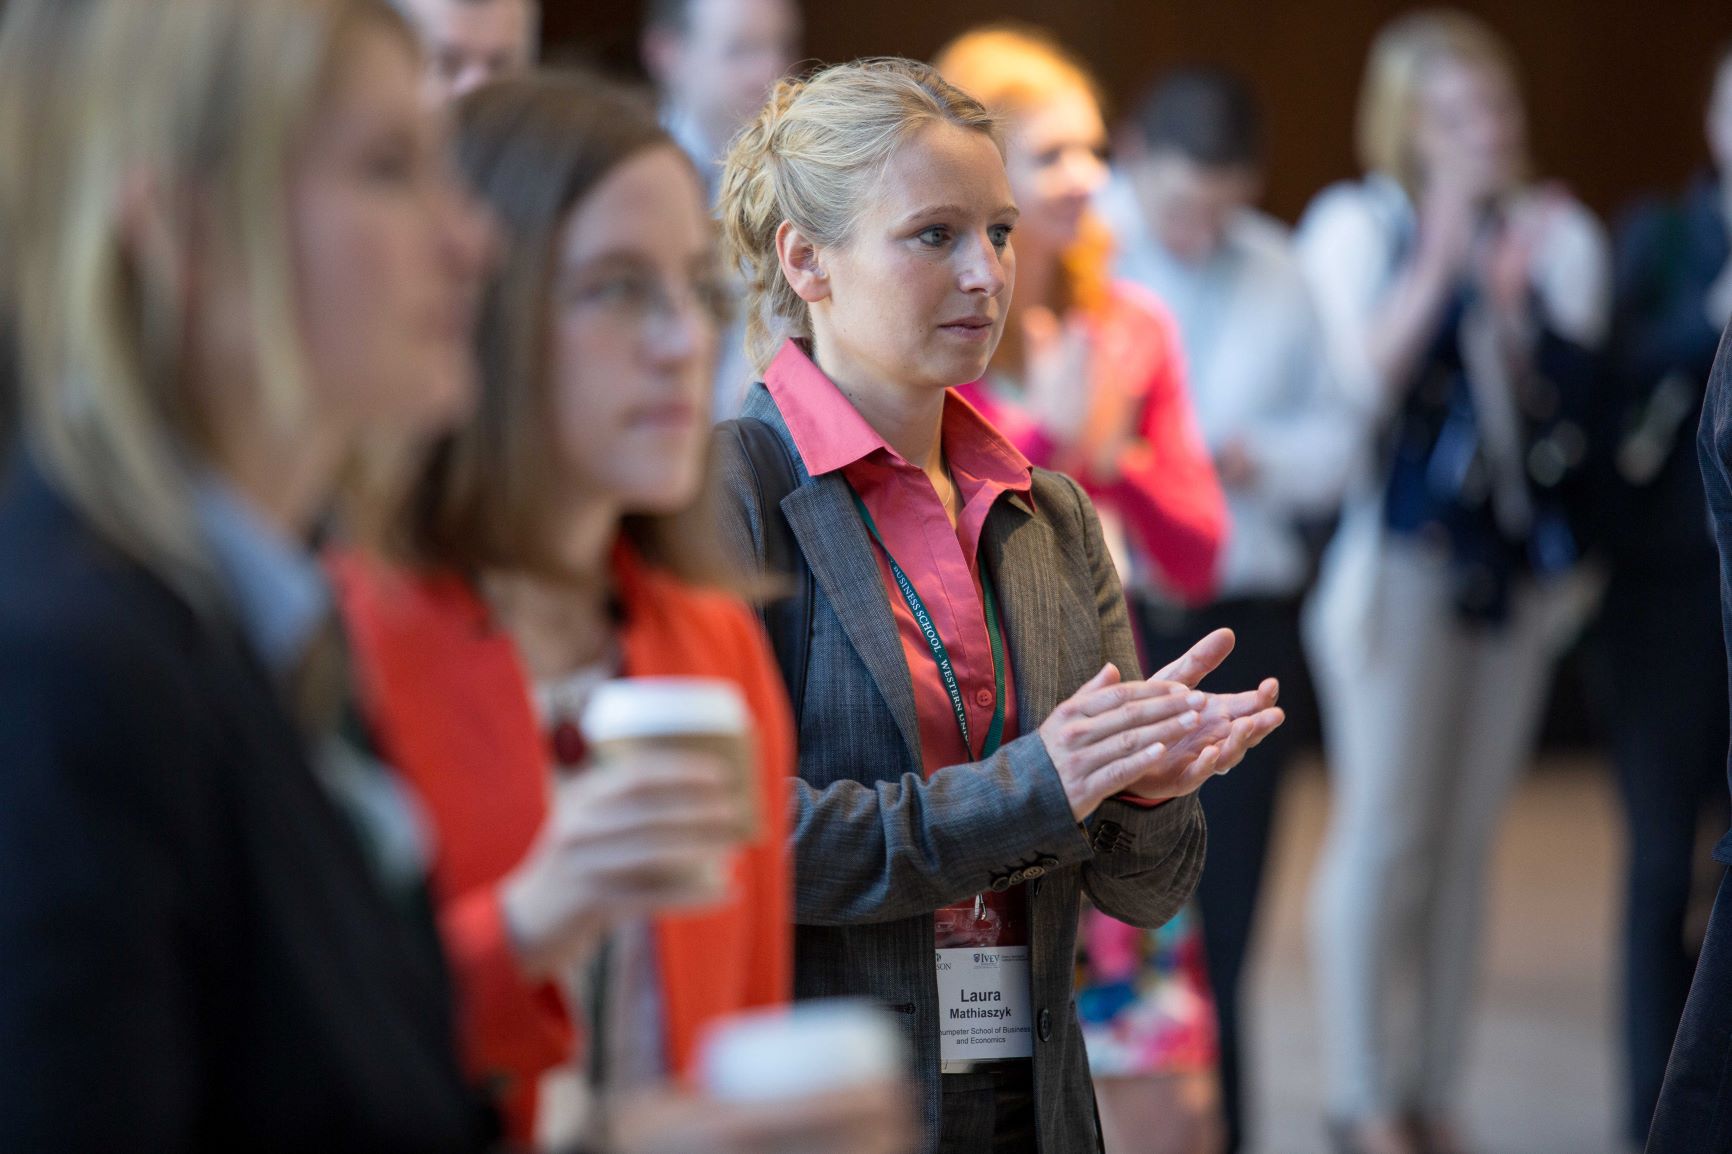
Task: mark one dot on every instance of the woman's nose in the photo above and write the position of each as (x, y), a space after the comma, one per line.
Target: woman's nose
(983, 268)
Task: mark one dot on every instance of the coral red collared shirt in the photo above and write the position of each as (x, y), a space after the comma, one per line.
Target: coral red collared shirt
(942, 561)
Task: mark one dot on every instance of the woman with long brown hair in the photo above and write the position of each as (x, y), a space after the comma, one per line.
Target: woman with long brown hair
(552, 552)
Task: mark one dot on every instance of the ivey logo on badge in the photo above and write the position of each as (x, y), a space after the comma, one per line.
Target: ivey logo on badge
(983, 1003)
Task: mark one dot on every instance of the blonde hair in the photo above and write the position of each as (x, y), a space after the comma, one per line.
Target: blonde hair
(1395, 69)
(1013, 69)
(206, 103)
(810, 157)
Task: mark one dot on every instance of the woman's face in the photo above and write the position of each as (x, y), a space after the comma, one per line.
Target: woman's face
(636, 294)
(388, 253)
(918, 294)
(1468, 127)
(1056, 164)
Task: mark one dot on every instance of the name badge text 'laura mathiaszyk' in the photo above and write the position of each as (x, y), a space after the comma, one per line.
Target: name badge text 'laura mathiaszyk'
(983, 1003)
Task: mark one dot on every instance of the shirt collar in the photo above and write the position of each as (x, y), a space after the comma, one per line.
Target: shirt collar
(279, 591)
(827, 429)
(831, 434)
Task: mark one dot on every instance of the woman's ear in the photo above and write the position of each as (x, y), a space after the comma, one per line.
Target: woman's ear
(802, 263)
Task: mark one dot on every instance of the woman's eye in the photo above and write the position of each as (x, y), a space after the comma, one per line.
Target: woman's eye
(626, 290)
(1000, 234)
(392, 167)
(935, 237)
(714, 297)
(391, 158)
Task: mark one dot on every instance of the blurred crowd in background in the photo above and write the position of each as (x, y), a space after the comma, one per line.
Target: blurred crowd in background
(1413, 450)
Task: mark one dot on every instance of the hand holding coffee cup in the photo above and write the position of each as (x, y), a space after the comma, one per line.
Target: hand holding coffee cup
(649, 826)
(703, 715)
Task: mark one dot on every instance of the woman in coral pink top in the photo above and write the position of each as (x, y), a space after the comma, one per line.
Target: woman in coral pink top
(1089, 379)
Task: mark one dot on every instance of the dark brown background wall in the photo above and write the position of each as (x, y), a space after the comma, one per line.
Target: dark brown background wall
(1615, 87)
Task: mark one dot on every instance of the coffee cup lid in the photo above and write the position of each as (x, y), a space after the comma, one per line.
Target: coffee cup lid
(642, 707)
(810, 1048)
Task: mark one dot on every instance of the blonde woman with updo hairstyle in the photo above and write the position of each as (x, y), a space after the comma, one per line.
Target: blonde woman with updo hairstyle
(976, 745)
(1464, 305)
(1091, 382)
(238, 266)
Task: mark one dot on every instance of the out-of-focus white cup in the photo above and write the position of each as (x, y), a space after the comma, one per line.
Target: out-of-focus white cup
(707, 714)
(626, 716)
(810, 1048)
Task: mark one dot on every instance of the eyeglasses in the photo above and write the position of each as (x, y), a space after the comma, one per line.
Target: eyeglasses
(638, 297)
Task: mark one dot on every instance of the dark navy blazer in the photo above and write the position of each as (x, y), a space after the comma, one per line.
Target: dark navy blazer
(193, 954)
(1695, 1111)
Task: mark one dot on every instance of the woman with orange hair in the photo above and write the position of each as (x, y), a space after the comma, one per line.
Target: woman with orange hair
(1089, 380)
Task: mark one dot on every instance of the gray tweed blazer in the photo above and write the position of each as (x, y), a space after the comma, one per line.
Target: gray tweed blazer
(878, 846)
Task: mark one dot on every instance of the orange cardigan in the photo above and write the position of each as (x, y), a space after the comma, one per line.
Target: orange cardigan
(449, 705)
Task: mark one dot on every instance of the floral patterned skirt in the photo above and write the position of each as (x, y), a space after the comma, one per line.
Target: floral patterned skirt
(1143, 997)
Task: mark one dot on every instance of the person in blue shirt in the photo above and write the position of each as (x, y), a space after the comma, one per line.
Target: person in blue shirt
(1180, 205)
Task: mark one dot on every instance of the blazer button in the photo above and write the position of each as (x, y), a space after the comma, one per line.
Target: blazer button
(1045, 1025)
(1048, 864)
(1107, 836)
(1032, 872)
(1000, 883)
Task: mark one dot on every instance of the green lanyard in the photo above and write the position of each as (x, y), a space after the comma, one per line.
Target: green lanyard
(940, 655)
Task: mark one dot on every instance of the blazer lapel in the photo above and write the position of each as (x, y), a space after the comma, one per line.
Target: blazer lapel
(1038, 606)
(839, 552)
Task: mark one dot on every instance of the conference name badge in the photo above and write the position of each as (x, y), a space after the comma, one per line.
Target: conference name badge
(983, 1004)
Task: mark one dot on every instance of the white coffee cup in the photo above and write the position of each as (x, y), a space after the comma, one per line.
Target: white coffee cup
(705, 714)
(809, 1048)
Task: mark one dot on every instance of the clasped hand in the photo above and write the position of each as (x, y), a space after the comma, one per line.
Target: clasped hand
(1159, 738)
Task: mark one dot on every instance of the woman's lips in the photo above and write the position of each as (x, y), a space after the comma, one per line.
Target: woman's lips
(452, 321)
(674, 415)
(968, 328)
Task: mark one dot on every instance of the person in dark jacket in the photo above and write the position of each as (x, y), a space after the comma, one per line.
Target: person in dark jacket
(1694, 1111)
(1694, 1114)
(1658, 631)
(235, 259)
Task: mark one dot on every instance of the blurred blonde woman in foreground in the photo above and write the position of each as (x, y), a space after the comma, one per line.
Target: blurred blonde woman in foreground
(237, 262)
